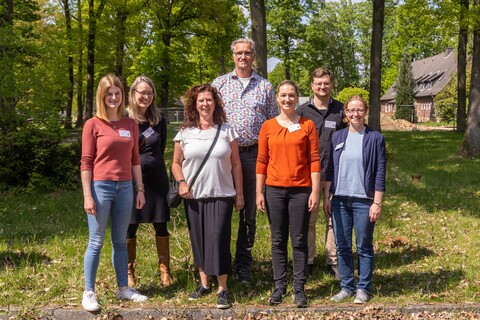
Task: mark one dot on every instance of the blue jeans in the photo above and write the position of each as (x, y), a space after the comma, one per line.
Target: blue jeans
(112, 199)
(353, 213)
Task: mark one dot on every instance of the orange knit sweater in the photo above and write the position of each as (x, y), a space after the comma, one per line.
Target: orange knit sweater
(288, 158)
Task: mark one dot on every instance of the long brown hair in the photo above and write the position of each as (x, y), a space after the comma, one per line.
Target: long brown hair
(192, 117)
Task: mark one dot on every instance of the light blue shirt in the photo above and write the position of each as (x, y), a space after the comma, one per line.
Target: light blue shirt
(350, 170)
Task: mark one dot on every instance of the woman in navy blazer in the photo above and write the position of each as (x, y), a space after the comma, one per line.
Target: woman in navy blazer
(355, 184)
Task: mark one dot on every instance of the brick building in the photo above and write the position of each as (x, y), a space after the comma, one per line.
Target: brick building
(431, 75)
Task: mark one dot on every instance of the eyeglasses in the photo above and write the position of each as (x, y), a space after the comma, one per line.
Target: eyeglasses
(241, 53)
(320, 84)
(145, 94)
(359, 111)
(113, 94)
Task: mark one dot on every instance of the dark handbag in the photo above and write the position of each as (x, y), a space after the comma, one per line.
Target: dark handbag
(173, 196)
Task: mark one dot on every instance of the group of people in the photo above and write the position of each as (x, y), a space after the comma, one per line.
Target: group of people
(240, 146)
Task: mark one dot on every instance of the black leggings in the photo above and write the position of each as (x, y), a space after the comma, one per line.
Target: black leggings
(160, 230)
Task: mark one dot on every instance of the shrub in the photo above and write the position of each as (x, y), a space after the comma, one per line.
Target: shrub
(37, 159)
(404, 112)
(346, 93)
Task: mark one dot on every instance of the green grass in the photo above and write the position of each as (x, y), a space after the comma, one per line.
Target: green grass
(437, 124)
(426, 243)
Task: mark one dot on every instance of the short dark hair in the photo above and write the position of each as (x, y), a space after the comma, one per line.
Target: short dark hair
(320, 72)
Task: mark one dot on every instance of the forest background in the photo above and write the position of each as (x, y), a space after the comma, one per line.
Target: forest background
(53, 52)
(54, 45)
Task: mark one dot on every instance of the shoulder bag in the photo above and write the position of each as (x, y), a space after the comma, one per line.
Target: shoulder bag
(173, 196)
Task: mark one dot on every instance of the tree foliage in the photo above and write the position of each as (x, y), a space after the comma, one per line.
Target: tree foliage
(446, 100)
(286, 30)
(415, 26)
(405, 89)
(346, 93)
(336, 20)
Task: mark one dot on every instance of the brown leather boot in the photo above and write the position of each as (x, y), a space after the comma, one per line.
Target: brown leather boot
(163, 251)
(132, 255)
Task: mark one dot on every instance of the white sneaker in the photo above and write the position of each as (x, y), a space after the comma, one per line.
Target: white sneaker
(131, 294)
(89, 301)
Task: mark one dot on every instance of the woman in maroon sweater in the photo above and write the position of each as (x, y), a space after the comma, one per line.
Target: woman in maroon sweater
(109, 161)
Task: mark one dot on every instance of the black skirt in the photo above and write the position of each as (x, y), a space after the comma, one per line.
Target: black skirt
(210, 227)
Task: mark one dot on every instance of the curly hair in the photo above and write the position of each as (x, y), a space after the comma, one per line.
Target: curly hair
(192, 117)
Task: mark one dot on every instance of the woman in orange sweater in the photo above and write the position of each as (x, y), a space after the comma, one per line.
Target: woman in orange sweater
(288, 178)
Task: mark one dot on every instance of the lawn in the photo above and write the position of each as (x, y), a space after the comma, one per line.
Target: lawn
(426, 243)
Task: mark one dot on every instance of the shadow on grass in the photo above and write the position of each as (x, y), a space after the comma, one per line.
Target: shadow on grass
(14, 260)
(404, 256)
(447, 181)
(407, 283)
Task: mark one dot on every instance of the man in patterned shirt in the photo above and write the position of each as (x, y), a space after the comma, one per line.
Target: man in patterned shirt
(249, 101)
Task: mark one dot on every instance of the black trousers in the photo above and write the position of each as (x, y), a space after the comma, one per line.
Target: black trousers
(287, 210)
(248, 215)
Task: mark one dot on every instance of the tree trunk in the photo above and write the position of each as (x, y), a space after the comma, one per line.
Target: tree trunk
(92, 33)
(92, 25)
(79, 122)
(462, 67)
(287, 59)
(122, 16)
(68, 24)
(376, 64)
(471, 140)
(259, 35)
(7, 74)
(165, 75)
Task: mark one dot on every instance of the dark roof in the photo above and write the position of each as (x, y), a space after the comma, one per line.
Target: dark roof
(431, 75)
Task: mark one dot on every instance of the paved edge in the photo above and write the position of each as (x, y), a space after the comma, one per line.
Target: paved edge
(232, 313)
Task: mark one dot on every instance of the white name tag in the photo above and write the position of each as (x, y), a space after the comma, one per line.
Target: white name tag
(124, 133)
(330, 124)
(147, 133)
(339, 146)
(294, 127)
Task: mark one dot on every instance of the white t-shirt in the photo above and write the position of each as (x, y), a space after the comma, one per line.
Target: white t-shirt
(215, 179)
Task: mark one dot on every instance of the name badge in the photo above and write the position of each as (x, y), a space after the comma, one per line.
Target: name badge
(124, 133)
(339, 146)
(330, 124)
(294, 127)
(147, 133)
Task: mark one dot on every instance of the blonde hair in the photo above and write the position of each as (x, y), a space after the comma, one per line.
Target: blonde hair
(110, 80)
(354, 98)
(152, 114)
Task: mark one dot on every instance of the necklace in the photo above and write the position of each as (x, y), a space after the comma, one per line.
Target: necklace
(113, 124)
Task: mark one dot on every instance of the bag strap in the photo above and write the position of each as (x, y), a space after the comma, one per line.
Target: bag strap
(206, 157)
